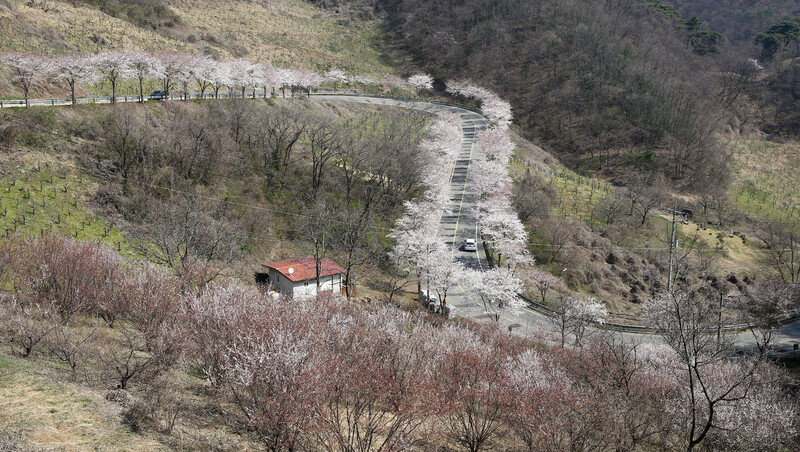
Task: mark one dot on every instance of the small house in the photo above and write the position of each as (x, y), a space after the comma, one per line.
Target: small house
(297, 278)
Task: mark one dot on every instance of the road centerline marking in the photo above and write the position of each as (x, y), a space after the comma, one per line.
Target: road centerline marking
(464, 190)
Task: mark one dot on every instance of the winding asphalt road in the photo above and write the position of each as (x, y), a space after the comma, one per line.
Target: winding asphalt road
(459, 222)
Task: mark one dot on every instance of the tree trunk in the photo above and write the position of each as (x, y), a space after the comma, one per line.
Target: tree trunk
(141, 90)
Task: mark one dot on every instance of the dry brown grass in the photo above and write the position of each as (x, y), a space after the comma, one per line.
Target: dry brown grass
(291, 33)
(61, 416)
(288, 33)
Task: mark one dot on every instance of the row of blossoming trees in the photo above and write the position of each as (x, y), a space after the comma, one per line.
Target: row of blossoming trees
(332, 375)
(178, 71)
(419, 244)
(420, 248)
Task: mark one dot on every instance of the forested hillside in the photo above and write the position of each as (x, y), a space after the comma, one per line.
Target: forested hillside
(739, 21)
(588, 79)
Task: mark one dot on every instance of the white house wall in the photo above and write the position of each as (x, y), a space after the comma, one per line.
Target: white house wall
(308, 289)
(280, 282)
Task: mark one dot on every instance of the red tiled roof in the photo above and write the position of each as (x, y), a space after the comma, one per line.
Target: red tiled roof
(305, 268)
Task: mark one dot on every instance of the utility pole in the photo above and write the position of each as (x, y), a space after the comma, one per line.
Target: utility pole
(672, 243)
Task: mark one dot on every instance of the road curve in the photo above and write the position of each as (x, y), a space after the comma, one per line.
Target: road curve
(459, 220)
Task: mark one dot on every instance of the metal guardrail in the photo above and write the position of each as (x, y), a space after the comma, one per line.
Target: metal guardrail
(106, 100)
(783, 319)
(548, 311)
(129, 99)
(404, 99)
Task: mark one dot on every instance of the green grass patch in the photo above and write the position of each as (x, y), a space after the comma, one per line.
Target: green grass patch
(767, 179)
(9, 364)
(50, 198)
(577, 196)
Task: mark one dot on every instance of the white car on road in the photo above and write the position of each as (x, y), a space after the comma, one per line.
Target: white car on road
(469, 245)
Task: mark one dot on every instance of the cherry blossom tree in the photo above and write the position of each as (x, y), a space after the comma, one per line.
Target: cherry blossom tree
(308, 80)
(73, 70)
(148, 301)
(219, 77)
(254, 77)
(27, 70)
(363, 80)
(543, 281)
(264, 75)
(144, 66)
(543, 415)
(176, 69)
(210, 319)
(416, 237)
(336, 77)
(443, 274)
(113, 66)
(239, 78)
(760, 421)
(501, 227)
(64, 274)
(490, 179)
(439, 149)
(496, 288)
(573, 316)
(374, 396)
(493, 107)
(274, 377)
(420, 82)
(497, 111)
(496, 145)
(284, 78)
(714, 386)
(202, 70)
(473, 389)
(27, 324)
(270, 359)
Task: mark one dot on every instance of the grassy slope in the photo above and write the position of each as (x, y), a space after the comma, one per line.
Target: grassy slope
(39, 193)
(767, 182)
(61, 416)
(763, 187)
(289, 33)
